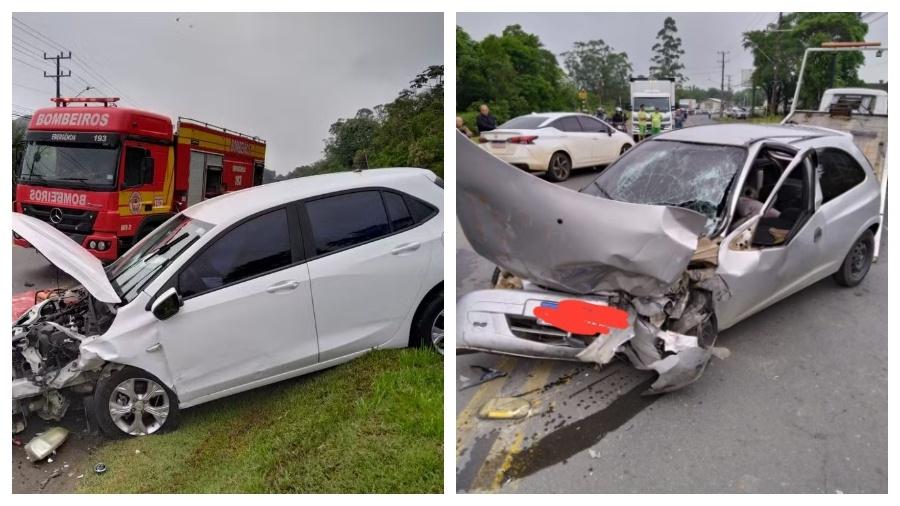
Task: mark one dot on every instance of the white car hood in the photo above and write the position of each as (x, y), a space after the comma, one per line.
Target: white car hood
(66, 254)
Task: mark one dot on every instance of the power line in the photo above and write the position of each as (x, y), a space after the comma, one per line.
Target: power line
(81, 62)
(23, 62)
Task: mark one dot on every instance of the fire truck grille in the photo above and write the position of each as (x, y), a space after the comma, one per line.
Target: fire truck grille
(74, 222)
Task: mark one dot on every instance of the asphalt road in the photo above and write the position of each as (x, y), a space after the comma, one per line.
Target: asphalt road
(799, 406)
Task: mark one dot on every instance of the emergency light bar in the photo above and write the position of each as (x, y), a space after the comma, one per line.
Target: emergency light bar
(65, 101)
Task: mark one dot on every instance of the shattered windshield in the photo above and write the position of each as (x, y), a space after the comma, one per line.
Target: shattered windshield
(680, 174)
(137, 267)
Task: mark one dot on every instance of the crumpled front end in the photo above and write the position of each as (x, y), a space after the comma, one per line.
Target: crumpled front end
(600, 277)
(48, 356)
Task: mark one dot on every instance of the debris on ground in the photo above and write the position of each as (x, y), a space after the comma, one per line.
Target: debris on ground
(46, 480)
(45, 444)
(487, 374)
(505, 408)
(100, 468)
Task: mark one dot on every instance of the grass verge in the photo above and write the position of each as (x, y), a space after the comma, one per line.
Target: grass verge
(372, 425)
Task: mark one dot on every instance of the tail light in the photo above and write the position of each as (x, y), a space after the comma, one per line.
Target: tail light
(522, 139)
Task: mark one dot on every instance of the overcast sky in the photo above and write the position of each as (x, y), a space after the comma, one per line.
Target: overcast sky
(284, 77)
(702, 35)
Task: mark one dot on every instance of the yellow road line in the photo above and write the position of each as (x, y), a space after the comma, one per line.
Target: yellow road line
(466, 420)
(493, 469)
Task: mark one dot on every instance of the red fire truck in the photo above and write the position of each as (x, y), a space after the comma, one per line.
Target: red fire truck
(106, 175)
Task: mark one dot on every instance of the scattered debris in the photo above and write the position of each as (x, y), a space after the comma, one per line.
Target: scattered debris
(505, 408)
(487, 374)
(100, 468)
(45, 481)
(45, 444)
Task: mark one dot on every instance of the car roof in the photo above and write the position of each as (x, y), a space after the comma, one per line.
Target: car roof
(744, 135)
(236, 205)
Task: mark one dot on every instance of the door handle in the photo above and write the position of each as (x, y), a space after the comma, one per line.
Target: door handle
(154, 347)
(817, 235)
(405, 248)
(283, 286)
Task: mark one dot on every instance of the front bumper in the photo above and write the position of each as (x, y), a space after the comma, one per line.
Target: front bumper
(503, 321)
(110, 253)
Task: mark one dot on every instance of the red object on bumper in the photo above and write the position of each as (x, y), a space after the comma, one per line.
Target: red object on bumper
(579, 317)
(22, 302)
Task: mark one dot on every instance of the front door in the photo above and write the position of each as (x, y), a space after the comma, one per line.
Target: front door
(247, 313)
(772, 256)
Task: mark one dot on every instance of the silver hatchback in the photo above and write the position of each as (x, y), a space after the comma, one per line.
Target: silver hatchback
(685, 235)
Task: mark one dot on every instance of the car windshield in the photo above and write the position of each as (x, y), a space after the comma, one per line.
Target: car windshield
(140, 265)
(660, 104)
(680, 174)
(524, 122)
(73, 165)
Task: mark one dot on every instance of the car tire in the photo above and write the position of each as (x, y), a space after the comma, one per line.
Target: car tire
(560, 167)
(625, 147)
(134, 393)
(857, 262)
(428, 326)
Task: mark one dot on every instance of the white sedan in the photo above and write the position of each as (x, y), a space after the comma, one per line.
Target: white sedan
(556, 143)
(236, 292)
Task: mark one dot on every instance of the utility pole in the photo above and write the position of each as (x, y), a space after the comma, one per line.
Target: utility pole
(722, 85)
(58, 74)
(774, 104)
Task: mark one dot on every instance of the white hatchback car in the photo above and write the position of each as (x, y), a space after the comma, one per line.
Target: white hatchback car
(236, 292)
(556, 143)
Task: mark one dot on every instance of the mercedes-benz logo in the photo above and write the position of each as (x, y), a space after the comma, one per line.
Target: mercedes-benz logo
(56, 215)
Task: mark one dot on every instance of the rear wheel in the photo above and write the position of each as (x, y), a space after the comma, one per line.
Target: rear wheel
(560, 167)
(428, 327)
(625, 147)
(857, 262)
(132, 402)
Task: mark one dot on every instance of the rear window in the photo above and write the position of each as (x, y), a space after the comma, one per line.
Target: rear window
(524, 122)
(344, 220)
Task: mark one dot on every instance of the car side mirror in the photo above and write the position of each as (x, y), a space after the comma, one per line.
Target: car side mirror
(147, 170)
(167, 304)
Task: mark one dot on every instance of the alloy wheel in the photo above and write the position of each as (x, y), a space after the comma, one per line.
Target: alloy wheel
(139, 406)
(437, 333)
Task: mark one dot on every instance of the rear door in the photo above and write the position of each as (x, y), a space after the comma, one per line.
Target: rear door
(575, 141)
(368, 260)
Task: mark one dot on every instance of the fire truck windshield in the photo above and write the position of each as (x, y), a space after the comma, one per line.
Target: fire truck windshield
(70, 165)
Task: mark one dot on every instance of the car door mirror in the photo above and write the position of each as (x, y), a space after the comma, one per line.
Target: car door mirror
(167, 304)
(147, 170)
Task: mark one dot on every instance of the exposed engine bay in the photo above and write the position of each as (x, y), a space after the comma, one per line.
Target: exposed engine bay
(46, 351)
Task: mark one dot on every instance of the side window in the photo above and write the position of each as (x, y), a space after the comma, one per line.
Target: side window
(134, 157)
(344, 220)
(592, 125)
(568, 124)
(259, 245)
(419, 210)
(840, 172)
(397, 211)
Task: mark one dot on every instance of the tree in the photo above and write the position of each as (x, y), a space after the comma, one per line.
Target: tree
(596, 67)
(666, 62)
(778, 52)
(512, 72)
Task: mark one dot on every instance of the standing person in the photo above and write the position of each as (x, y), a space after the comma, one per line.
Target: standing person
(485, 120)
(601, 114)
(678, 117)
(642, 123)
(461, 126)
(618, 118)
(655, 121)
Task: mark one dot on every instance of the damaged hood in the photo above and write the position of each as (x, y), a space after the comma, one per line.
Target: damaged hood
(565, 240)
(66, 254)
